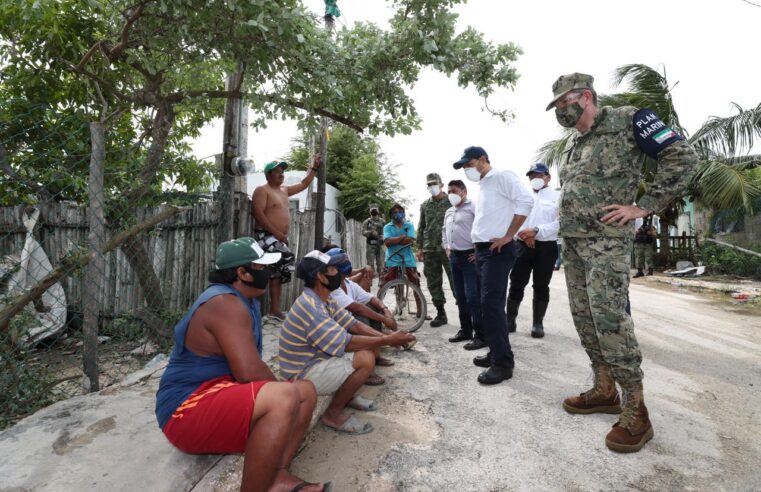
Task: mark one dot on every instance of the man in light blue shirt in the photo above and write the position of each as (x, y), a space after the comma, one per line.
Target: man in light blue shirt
(398, 237)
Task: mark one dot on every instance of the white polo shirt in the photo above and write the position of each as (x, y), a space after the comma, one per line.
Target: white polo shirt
(544, 215)
(502, 196)
(354, 293)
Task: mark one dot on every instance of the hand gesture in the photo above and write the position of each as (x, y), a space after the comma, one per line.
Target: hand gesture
(317, 162)
(620, 215)
(399, 338)
(390, 323)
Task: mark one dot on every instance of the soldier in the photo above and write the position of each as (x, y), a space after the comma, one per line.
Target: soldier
(429, 248)
(372, 229)
(644, 239)
(600, 182)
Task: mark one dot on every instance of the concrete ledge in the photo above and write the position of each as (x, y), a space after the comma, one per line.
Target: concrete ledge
(110, 441)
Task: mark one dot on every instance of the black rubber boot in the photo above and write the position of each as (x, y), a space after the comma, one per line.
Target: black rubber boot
(441, 317)
(537, 329)
(639, 273)
(649, 271)
(512, 313)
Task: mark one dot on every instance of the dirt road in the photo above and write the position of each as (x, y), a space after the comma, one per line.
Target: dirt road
(437, 429)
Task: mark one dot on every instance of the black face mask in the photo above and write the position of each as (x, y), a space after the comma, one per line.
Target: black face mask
(374, 213)
(334, 281)
(261, 278)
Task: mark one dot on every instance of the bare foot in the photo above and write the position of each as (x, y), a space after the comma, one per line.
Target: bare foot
(285, 482)
(336, 420)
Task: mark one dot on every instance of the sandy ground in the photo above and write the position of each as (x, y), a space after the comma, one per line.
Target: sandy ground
(437, 429)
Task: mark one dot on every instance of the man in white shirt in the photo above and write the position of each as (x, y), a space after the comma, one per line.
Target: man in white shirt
(503, 204)
(536, 249)
(458, 246)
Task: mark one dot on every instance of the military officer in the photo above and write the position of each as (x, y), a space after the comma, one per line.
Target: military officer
(600, 182)
(372, 229)
(644, 240)
(430, 250)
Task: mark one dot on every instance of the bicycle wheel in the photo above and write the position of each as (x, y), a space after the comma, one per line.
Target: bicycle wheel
(405, 300)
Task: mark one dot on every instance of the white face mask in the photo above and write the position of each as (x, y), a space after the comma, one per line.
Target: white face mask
(472, 174)
(434, 190)
(537, 184)
(454, 199)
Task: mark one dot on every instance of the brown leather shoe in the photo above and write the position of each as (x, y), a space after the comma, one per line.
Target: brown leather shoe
(633, 428)
(602, 398)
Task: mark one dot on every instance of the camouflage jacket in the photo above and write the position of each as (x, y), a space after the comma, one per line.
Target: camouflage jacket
(431, 221)
(372, 229)
(603, 168)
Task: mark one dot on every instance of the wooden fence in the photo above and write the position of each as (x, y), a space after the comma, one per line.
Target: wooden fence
(181, 248)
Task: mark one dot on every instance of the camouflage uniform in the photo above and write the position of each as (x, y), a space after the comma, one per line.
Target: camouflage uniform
(429, 242)
(643, 248)
(372, 229)
(603, 168)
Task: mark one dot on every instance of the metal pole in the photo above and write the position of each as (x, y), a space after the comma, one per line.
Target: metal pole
(230, 149)
(319, 195)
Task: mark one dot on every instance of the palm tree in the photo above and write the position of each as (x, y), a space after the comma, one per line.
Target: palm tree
(724, 179)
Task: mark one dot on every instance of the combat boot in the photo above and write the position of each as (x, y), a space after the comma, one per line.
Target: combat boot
(649, 271)
(539, 308)
(639, 273)
(601, 398)
(633, 428)
(441, 317)
(512, 313)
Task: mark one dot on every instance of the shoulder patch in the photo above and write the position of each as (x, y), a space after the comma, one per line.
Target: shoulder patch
(651, 134)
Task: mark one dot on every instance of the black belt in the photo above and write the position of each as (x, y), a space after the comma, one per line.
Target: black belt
(464, 252)
(482, 246)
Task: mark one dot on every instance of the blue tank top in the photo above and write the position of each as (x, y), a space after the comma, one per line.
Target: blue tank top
(187, 371)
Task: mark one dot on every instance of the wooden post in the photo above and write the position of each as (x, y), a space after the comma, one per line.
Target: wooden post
(226, 188)
(95, 269)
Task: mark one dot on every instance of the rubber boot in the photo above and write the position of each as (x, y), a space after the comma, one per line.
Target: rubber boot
(512, 313)
(633, 428)
(601, 398)
(539, 308)
(441, 317)
(639, 273)
(649, 271)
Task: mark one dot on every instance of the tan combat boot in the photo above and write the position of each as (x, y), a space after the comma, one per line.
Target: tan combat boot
(602, 398)
(633, 428)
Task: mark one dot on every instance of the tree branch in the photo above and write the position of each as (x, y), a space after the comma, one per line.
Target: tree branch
(119, 48)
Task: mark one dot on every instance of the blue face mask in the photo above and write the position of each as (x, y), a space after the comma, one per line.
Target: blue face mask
(398, 216)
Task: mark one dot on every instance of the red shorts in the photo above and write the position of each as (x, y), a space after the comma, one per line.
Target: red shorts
(215, 419)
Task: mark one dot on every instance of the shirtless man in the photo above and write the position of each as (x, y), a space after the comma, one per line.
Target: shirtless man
(272, 215)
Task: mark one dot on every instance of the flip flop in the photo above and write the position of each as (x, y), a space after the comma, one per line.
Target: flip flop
(383, 362)
(325, 487)
(375, 380)
(409, 345)
(363, 404)
(279, 315)
(352, 426)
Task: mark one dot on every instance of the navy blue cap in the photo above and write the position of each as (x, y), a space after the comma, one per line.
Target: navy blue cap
(344, 267)
(469, 154)
(538, 168)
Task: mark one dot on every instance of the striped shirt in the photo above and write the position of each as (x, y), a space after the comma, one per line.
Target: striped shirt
(314, 330)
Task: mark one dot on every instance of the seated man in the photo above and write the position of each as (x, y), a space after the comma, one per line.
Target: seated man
(217, 396)
(324, 344)
(362, 276)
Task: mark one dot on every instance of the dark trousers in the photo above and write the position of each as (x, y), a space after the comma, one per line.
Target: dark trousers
(493, 269)
(465, 285)
(541, 261)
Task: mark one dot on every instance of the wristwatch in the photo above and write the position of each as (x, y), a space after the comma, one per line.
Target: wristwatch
(536, 230)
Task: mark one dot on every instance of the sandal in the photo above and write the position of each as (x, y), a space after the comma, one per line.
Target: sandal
(383, 362)
(279, 315)
(363, 404)
(325, 487)
(352, 426)
(375, 380)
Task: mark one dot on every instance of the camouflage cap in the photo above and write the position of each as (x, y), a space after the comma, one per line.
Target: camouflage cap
(374, 206)
(566, 83)
(433, 178)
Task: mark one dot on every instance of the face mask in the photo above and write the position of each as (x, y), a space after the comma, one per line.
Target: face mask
(537, 184)
(374, 213)
(398, 216)
(261, 278)
(472, 174)
(434, 190)
(569, 115)
(334, 281)
(454, 199)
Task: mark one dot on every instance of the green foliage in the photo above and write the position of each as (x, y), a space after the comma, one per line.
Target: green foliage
(727, 261)
(25, 385)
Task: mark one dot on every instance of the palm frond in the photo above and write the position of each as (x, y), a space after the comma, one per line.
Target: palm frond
(553, 152)
(722, 185)
(729, 135)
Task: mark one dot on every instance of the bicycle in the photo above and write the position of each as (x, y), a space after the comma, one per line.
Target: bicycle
(400, 303)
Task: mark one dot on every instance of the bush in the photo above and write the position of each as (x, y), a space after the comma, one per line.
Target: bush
(727, 261)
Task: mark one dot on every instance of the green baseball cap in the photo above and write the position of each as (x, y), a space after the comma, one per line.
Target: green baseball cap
(242, 251)
(272, 165)
(567, 83)
(433, 178)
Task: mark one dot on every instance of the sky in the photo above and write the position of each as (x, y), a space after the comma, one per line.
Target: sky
(706, 46)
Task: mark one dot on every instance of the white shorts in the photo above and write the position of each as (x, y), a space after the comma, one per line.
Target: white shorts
(328, 375)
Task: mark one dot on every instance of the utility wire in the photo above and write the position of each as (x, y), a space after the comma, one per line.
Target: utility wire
(751, 3)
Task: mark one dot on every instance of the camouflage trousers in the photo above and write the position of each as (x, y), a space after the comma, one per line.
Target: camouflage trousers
(643, 256)
(375, 257)
(433, 264)
(597, 277)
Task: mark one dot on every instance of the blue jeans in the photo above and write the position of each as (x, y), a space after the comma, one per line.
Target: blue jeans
(465, 286)
(494, 269)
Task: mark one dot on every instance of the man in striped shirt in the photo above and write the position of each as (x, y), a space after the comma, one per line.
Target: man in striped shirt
(326, 345)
